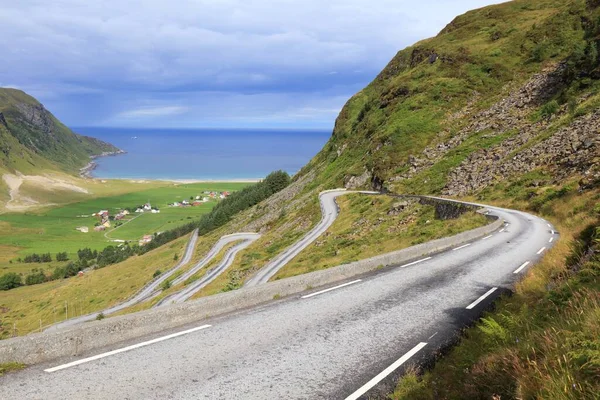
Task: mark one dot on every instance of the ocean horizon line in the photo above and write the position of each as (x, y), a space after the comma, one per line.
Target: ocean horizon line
(273, 129)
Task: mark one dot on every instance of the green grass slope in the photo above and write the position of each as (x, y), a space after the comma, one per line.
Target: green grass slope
(503, 107)
(32, 139)
(430, 91)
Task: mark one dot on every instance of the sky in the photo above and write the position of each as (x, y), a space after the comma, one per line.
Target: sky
(207, 63)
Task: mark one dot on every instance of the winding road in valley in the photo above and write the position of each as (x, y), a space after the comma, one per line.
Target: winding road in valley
(329, 212)
(245, 239)
(147, 292)
(348, 340)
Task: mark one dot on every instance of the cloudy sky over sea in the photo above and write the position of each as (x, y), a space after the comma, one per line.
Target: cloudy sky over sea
(207, 63)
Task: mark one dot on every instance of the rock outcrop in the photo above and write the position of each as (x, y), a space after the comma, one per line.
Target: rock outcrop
(574, 149)
(511, 112)
(37, 117)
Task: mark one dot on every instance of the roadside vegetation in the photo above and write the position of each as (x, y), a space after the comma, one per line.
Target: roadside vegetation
(543, 341)
(373, 225)
(54, 230)
(367, 226)
(25, 309)
(9, 367)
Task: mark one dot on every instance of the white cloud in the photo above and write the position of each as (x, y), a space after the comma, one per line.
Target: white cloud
(153, 112)
(101, 52)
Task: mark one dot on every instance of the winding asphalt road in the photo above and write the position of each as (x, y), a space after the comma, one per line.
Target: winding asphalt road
(147, 292)
(340, 342)
(179, 297)
(329, 212)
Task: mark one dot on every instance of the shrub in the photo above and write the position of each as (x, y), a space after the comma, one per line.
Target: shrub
(100, 316)
(62, 256)
(549, 109)
(10, 280)
(166, 285)
(157, 273)
(35, 278)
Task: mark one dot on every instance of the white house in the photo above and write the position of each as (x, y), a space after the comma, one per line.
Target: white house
(155, 211)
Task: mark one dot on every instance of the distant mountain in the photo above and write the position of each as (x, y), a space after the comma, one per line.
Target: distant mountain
(32, 139)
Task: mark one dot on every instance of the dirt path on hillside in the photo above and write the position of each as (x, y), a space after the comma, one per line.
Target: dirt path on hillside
(18, 202)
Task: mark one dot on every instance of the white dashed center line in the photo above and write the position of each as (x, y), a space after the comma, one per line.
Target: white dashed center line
(461, 247)
(487, 237)
(550, 240)
(369, 385)
(330, 289)
(521, 267)
(415, 262)
(479, 300)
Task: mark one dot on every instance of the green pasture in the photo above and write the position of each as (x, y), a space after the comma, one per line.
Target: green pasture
(54, 231)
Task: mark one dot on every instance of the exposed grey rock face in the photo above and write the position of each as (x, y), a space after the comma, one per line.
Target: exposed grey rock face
(511, 112)
(574, 149)
(355, 182)
(37, 116)
(2, 120)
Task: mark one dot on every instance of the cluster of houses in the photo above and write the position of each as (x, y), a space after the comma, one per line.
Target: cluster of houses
(104, 216)
(199, 200)
(104, 220)
(147, 208)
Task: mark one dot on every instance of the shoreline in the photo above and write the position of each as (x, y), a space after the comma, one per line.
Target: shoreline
(182, 181)
(86, 172)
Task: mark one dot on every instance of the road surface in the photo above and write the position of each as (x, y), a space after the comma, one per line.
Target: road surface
(179, 297)
(329, 211)
(148, 291)
(339, 342)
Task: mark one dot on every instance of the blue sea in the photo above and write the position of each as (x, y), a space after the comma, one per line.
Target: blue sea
(205, 154)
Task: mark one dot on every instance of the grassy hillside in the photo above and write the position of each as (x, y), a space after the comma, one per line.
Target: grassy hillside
(32, 139)
(501, 107)
(433, 104)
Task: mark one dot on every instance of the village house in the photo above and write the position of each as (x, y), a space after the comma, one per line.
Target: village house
(145, 239)
(99, 228)
(83, 229)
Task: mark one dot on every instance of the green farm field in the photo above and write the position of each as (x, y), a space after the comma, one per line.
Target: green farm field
(53, 230)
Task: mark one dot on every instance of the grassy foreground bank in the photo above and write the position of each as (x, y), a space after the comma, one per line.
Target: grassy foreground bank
(543, 342)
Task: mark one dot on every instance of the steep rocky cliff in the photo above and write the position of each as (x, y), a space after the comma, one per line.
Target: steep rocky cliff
(501, 92)
(33, 139)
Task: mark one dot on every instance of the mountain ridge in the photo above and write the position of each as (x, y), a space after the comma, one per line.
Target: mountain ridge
(34, 140)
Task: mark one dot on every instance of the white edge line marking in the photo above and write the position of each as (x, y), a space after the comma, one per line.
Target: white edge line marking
(462, 247)
(430, 337)
(134, 346)
(330, 289)
(487, 237)
(479, 300)
(521, 267)
(549, 226)
(550, 240)
(369, 385)
(540, 251)
(502, 230)
(415, 262)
